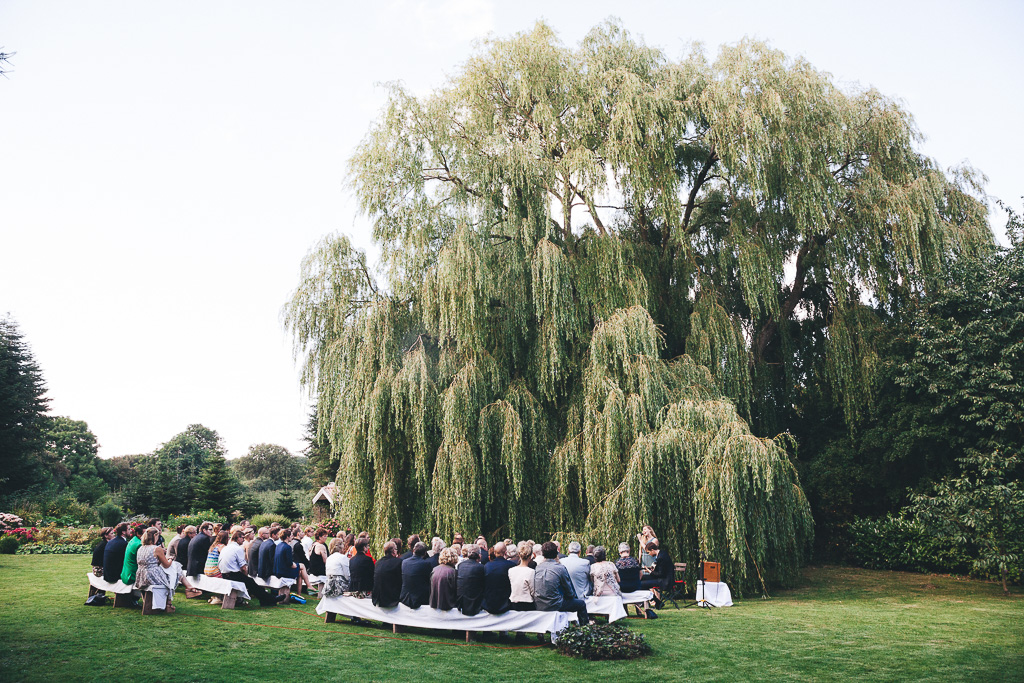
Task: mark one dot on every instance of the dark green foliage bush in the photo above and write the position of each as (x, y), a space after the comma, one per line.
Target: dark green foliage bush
(895, 542)
(602, 641)
(267, 520)
(109, 513)
(8, 545)
(59, 549)
(286, 506)
(195, 519)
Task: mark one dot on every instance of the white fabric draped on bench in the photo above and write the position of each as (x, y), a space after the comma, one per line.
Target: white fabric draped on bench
(428, 617)
(613, 606)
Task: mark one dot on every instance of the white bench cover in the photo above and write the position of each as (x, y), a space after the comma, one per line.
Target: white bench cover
(98, 583)
(212, 584)
(613, 606)
(429, 617)
(275, 582)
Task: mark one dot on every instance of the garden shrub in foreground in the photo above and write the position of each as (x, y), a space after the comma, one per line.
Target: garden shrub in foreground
(602, 641)
(8, 545)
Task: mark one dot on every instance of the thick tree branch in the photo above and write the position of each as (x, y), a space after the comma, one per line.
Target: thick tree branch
(702, 176)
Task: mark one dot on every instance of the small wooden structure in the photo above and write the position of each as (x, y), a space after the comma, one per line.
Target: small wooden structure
(323, 502)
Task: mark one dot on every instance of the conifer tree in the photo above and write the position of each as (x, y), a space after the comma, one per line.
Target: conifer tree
(22, 411)
(599, 267)
(216, 488)
(286, 506)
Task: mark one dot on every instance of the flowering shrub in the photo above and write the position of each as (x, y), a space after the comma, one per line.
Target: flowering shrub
(21, 534)
(10, 521)
(332, 525)
(195, 519)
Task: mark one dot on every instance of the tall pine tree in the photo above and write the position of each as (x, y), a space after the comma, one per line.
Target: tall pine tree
(216, 488)
(22, 411)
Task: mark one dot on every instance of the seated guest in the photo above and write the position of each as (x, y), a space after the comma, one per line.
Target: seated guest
(181, 547)
(443, 582)
(590, 554)
(484, 555)
(470, 582)
(457, 549)
(130, 562)
(299, 558)
(458, 540)
(113, 554)
(233, 568)
(248, 536)
(198, 547)
(337, 567)
(604, 574)
(212, 566)
(366, 548)
(172, 547)
(497, 589)
(434, 554)
(268, 551)
(387, 577)
(253, 552)
(318, 554)
(553, 589)
(307, 538)
(520, 578)
(284, 564)
(662, 573)
(413, 540)
(106, 533)
(361, 568)
(416, 577)
(159, 528)
(579, 570)
(538, 556)
(152, 560)
(349, 546)
(629, 570)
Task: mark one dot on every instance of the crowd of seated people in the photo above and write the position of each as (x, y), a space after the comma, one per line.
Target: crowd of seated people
(468, 576)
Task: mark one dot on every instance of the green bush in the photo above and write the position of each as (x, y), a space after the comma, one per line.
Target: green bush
(59, 549)
(8, 545)
(109, 513)
(895, 542)
(602, 641)
(195, 519)
(267, 520)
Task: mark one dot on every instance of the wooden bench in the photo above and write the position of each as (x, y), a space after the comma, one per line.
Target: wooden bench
(122, 593)
(231, 591)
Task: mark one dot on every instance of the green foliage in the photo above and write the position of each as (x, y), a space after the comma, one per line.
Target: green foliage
(602, 641)
(9, 545)
(286, 506)
(22, 412)
(249, 505)
(216, 488)
(266, 520)
(72, 451)
(270, 467)
(109, 513)
(195, 519)
(56, 549)
(899, 543)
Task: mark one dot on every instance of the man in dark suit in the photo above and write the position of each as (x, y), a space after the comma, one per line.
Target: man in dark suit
(284, 563)
(198, 548)
(113, 554)
(497, 588)
(360, 568)
(253, 558)
(660, 578)
(481, 543)
(267, 552)
(413, 540)
(469, 583)
(387, 577)
(416, 577)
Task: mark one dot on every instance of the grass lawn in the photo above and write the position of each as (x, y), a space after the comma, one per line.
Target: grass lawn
(838, 624)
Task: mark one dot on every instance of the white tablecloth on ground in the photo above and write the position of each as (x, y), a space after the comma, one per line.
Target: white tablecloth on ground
(213, 584)
(715, 594)
(98, 583)
(428, 617)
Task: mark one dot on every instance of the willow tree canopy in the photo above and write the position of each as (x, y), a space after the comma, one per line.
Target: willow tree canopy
(596, 265)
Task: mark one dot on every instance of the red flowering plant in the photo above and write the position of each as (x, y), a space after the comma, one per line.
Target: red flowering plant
(332, 525)
(24, 535)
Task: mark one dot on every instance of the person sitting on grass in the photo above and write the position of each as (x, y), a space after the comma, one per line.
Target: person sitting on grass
(553, 587)
(443, 591)
(337, 567)
(152, 560)
(387, 577)
(130, 562)
(233, 568)
(361, 567)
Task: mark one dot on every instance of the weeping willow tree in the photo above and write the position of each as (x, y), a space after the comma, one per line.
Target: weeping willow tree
(598, 270)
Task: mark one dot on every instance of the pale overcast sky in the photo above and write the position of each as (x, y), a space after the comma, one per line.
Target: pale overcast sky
(166, 165)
